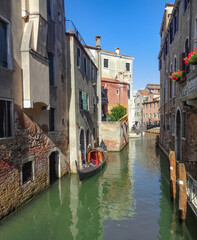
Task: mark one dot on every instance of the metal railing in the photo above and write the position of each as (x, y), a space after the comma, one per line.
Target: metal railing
(71, 26)
(192, 192)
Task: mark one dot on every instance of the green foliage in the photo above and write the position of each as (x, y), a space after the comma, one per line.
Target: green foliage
(116, 113)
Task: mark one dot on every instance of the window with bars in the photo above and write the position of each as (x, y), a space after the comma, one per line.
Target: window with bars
(27, 172)
(6, 114)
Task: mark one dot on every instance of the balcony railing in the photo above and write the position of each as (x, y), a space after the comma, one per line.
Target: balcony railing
(192, 191)
(71, 26)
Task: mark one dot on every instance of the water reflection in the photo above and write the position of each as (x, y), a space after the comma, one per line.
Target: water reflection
(129, 199)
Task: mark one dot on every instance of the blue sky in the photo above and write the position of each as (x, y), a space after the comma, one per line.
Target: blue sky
(131, 25)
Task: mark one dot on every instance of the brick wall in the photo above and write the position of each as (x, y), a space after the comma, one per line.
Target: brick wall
(29, 142)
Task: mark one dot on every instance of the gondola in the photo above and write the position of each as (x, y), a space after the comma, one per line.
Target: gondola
(96, 160)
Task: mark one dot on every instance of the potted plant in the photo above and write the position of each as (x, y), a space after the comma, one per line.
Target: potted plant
(191, 58)
(178, 76)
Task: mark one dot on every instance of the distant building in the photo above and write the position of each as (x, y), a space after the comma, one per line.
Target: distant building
(178, 34)
(150, 111)
(141, 97)
(117, 82)
(153, 88)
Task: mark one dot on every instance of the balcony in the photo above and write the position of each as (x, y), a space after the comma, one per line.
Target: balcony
(71, 26)
(35, 65)
(189, 89)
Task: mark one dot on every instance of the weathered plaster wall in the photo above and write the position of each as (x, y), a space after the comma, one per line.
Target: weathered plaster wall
(114, 136)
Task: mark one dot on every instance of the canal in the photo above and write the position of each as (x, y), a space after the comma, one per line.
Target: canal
(128, 200)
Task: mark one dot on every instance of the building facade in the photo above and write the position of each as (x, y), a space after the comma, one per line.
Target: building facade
(179, 99)
(83, 114)
(141, 97)
(117, 81)
(150, 111)
(33, 99)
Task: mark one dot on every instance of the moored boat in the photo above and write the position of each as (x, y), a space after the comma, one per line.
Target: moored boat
(95, 161)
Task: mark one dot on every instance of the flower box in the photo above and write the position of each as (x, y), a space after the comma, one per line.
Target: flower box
(191, 58)
(176, 76)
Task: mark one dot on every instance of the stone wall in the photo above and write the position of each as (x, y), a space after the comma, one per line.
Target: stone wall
(30, 143)
(114, 135)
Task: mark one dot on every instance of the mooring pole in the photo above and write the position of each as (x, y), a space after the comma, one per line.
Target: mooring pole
(172, 175)
(182, 192)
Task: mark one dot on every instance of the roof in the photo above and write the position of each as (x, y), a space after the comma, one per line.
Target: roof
(114, 53)
(112, 80)
(144, 91)
(154, 87)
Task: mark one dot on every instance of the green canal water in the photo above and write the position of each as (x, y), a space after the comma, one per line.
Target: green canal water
(128, 200)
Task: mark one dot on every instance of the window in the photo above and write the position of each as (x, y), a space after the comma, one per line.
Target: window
(185, 4)
(80, 100)
(6, 109)
(166, 89)
(153, 105)
(171, 32)
(150, 115)
(51, 69)
(85, 98)
(93, 74)
(85, 65)
(150, 105)
(175, 22)
(27, 173)
(78, 57)
(160, 63)
(94, 103)
(5, 54)
(52, 119)
(106, 63)
(183, 125)
(128, 91)
(127, 67)
(50, 9)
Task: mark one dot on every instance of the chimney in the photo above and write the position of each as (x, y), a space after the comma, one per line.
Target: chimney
(117, 50)
(98, 41)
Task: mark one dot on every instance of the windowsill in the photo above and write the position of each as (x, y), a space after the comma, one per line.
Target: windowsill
(24, 185)
(183, 138)
(53, 86)
(7, 138)
(52, 131)
(6, 69)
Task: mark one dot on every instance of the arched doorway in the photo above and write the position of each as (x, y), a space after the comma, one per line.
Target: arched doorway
(82, 146)
(178, 136)
(53, 166)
